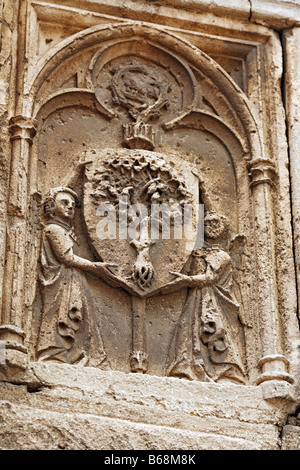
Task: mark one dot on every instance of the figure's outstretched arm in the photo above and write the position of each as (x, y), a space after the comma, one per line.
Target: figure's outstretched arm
(62, 249)
(74, 261)
(208, 278)
(198, 280)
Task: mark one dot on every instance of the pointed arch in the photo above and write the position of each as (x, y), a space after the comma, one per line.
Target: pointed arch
(95, 36)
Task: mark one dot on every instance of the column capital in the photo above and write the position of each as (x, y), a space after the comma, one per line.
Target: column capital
(22, 127)
(262, 170)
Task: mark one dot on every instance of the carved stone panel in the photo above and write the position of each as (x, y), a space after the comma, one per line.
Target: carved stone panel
(148, 198)
(145, 178)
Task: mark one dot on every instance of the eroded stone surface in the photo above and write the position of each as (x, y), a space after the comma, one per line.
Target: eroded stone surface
(112, 128)
(129, 411)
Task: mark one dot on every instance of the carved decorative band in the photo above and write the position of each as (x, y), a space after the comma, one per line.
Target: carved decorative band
(23, 127)
(262, 170)
(11, 333)
(275, 368)
(273, 358)
(267, 376)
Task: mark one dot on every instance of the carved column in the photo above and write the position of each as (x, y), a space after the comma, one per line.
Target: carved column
(11, 329)
(138, 357)
(273, 365)
(292, 101)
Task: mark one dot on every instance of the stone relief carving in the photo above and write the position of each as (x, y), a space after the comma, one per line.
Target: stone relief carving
(204, 343)
(146, 89)
(123, 186)
(138, 89)
(163, 309)
(130, 186)
(68, 332)
(150, 91)
(139, 183)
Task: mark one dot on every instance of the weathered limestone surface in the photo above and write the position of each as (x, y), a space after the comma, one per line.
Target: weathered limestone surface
(292, 83)
(290, 437)
(122, 327)
(113, 410)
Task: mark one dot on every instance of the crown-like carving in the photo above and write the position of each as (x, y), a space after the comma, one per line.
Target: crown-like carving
(139, 136)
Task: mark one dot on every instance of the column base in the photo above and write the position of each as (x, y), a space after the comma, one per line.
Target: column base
(279, 390)
(275, 380)
(274, 367)
(13, 354)
(275, 375)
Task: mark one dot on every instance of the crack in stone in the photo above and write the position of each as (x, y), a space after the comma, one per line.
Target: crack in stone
(250, 10)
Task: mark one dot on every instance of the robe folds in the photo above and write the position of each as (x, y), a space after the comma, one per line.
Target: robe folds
(68, 331)
(205, 341)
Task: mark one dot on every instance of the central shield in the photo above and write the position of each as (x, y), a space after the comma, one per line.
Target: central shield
(140, 211)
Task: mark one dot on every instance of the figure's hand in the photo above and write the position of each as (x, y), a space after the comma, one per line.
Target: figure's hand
(182, 280)
(102, 270)
(185, 280)
(100, 267)
(179, 275)
(107, 265)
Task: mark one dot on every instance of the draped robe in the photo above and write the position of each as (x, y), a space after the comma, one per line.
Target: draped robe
(205, 341)
(68, 332)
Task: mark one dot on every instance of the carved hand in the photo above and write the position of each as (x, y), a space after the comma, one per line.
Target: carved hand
(81, 163)
(101, 269)
(181, 281)
(73, 178)
(184, 280)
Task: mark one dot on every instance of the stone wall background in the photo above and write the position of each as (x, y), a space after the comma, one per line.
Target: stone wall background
(257, 43)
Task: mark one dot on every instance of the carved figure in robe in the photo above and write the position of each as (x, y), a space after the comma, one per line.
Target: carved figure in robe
(68, 332)
(205, 342)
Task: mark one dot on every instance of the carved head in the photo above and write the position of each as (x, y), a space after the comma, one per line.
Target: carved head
(60, 203)
(215, 225)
